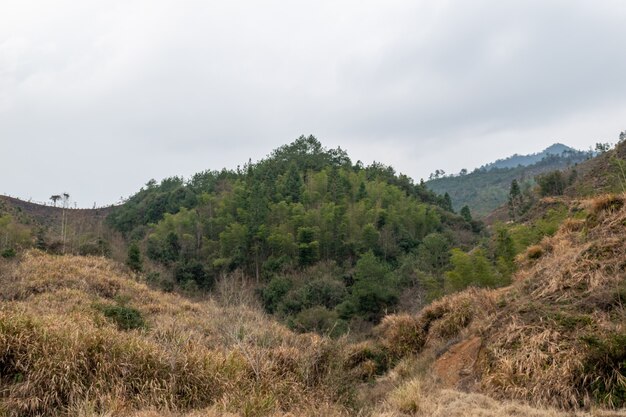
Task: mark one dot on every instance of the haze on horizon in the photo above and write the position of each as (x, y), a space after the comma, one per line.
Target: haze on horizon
(96, 98)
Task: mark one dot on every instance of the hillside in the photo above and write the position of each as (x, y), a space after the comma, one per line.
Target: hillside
(79, 336)
(55, 229)
(487, 188)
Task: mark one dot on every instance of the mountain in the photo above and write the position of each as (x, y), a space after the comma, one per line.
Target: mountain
(515, 160)
(487, 188)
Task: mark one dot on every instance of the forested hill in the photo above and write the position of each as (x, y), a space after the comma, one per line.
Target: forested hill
(487, 188)
(304, 206)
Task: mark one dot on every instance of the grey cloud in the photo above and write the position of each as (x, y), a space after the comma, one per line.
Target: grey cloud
(124, 91)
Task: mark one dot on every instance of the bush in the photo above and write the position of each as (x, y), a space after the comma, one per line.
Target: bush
(605, 369)
(134, 260)
(274, 292)
(126, 318)
(193, 270)
(401, 335)
(319, 319)
(8, 253)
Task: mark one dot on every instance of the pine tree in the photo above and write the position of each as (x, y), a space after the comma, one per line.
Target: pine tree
(466, 214)
(134, 260)
(515, 199)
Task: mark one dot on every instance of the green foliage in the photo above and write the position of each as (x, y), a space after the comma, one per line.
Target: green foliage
(605, 369)
(552, 183)
(124, 316)
(374, 290)
(471, 269)
(434, 253)
(13, 235)
(8, 253)
(274, 293)
(308, 247)
(527, 234)
(193, 270)
(280, 220)
(133, 259)
(488, 188)
(466, 214)
(319, 319)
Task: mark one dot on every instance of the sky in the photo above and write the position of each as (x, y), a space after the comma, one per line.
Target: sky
(98, 97)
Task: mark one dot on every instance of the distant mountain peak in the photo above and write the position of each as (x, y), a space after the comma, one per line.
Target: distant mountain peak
(557, 149)
(530, 159)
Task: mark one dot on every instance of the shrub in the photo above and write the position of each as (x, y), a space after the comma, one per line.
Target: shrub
(605, 369)
(134, 260)
(125, 317)
(274, 292)
(401, 335)
(8, 253)
(319, 319)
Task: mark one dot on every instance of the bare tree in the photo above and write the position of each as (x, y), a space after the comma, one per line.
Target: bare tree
(66, 199)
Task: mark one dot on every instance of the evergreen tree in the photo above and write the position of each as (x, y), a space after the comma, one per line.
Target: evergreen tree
(133, 259)
(466, 214)
(293, 184)
(515, 199)
(447, 202)
(362, 193)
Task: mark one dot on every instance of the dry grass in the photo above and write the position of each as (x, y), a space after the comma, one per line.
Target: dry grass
(606, 203)
(59, 355)
(555, 338)
(535, 348)
(412, 398)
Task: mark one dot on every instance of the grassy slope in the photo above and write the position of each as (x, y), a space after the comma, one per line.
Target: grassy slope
(59, 355)
(553, 338)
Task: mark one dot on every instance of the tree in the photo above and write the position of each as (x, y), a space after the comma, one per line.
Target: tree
(293, 184)
(133, 259)
(362, 193)
(54, 199)
(515, 199)
(447, 202)
(470, 269)
(308, 247)
(602, 147)
(374, 289)
(551, 183)
(466, 214)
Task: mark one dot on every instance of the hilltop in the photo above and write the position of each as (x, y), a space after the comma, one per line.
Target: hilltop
(486, 188)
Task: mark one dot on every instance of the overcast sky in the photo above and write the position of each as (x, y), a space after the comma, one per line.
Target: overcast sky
(98, 97)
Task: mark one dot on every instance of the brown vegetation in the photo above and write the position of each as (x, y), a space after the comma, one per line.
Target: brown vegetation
(59, 354)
